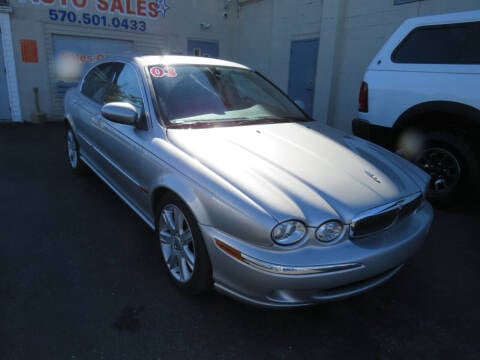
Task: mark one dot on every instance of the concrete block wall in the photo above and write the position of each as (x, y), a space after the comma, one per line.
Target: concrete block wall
(265, 30)
(292, 20)
(253, 36)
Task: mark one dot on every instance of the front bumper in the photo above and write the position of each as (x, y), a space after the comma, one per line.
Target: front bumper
(377, 259)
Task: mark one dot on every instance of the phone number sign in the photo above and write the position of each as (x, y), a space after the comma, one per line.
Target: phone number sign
(97, 20)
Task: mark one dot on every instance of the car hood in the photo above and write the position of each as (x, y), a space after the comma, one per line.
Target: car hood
(305, 171)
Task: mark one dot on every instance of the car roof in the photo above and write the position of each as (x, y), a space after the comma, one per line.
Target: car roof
(456, 17)
(184, 60)
(384, 54)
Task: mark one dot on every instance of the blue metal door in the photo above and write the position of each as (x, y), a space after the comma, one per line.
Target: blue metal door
(203, 48)
(303, 69)
(4, 101)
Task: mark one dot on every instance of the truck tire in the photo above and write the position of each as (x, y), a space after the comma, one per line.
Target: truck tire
(452, 165)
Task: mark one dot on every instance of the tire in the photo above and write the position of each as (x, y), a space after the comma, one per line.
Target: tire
(77, 166)
(183, 251)
(452, 165)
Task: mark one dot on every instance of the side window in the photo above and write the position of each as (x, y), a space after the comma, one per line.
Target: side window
(98, 80)
(445, 44)
(126, 88)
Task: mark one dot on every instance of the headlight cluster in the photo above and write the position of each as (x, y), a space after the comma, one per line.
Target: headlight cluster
(329, 231)
(292, 231)
(288, 232)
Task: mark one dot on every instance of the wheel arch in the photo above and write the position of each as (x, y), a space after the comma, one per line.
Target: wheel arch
(200, 279)
(185, 192)
(438, 115)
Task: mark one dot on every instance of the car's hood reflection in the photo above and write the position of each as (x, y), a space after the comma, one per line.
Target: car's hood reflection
(294, 171)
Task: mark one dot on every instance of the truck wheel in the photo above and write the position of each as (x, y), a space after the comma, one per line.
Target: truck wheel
(452, 165)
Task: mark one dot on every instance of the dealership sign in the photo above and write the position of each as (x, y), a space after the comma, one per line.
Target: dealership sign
(151, 9)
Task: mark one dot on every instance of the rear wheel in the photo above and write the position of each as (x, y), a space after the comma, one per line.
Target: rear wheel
(73, 153)
(184, 254)
(452, 165)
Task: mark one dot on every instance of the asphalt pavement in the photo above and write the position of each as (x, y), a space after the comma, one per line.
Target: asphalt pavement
(80, 278)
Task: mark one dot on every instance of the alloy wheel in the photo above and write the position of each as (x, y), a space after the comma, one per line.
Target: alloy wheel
(72, 149)
(177, 243)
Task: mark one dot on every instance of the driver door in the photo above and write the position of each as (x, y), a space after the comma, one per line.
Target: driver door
(123, 145)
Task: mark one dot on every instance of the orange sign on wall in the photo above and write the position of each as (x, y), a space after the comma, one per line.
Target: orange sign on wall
(29, 51)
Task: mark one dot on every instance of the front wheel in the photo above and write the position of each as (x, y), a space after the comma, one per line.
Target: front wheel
(184, 254)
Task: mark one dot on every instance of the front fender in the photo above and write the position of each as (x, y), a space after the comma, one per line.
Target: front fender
(213, 201)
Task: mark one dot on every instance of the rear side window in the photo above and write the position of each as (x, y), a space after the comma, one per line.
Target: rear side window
(98, 80)
(445, 44)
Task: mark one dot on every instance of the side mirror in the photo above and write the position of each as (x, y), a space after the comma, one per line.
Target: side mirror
(300, 104)
(120, 112)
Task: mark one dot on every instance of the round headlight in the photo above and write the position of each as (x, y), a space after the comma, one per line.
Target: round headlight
(329, 231)
(288, 232)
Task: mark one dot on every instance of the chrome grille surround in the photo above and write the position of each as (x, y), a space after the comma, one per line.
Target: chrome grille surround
(384, 217)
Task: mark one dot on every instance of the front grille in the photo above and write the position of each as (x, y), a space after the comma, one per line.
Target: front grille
(410, 207)
(383, 217)
(374, 223)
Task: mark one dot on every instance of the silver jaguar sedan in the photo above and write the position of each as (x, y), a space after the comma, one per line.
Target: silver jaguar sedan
(245, 192)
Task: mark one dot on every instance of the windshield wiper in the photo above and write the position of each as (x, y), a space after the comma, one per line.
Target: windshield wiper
(192, 124)
(273, 119)
(236, 122)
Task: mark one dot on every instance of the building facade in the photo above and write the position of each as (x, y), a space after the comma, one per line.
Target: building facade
(316, 50)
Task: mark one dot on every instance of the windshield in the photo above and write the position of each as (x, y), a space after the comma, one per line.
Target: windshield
(214, 95)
